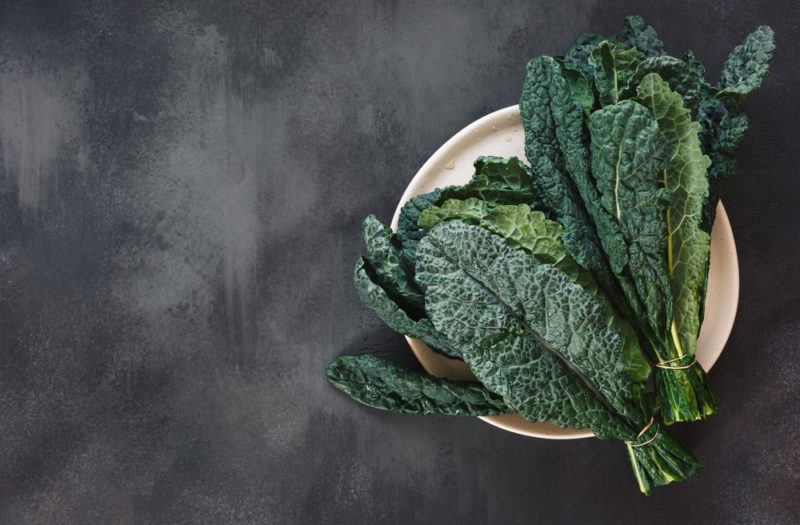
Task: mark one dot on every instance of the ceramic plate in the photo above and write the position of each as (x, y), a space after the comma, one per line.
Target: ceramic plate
(500, 133)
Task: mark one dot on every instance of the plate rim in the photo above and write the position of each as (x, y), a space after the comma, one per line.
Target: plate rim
(438, 158)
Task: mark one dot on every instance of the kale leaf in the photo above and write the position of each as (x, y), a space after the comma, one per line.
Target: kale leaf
(641, 36)
(747, 64)
(555, 147)
(382, 384)
(531, 231)
(628, 156)
(379, 299)
(540, 340)
(688, 396)
(687, 247)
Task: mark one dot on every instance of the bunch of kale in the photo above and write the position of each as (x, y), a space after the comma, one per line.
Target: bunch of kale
(553, 282)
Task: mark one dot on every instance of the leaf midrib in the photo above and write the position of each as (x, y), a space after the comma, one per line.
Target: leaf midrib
(529, 331)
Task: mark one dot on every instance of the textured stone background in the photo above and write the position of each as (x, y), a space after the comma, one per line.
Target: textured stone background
(182, 184)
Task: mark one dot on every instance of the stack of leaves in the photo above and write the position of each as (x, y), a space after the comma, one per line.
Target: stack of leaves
(565, 283)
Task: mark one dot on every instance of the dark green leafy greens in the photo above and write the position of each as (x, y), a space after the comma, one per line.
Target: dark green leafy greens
(382, 384)
(377, 298)
(628, 154)
(617, 68)
(637, 34)
(532, 232)
(721, 118)
(548, 346)
(385, 276)
(614, 70)
(747, 64)
(496, 179)
(385, 284)
(555, 146)
(550, 280)
(688, 250)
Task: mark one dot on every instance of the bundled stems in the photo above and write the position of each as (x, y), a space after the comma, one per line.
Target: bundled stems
(658, 459)
(684, 394)
(682, 386)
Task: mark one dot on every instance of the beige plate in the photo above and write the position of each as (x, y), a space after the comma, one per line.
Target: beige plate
(500, 133)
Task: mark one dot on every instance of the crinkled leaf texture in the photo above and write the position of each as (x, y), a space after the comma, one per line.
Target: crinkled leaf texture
(748, 64)
(531, 231)
(408, 233)
(614, 70)
(383, 251)
(527, 331)
(496, 179)
(687, 188)
(641, 36)
(628, 158)
(531, 334)
(723, 129)
(382, 384)
(682, 76)
(385, 277)
(518, 224)
(554, 145)
(385, 284)
(684, 394)
(576, 56)
(379, 300)
(385, 385)
(723, 123)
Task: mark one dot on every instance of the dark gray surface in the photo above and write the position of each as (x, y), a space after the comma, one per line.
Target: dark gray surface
(182, 185)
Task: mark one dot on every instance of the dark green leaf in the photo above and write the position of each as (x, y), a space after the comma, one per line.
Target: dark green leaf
(532, 232)
(747, 64)
(641, 36)
(681, 76)
(408, 233)
(628, 158)
(578, 53)
(554, 145)
(373, 295)
(384, 255)
(722, 131)
(382, 384)
(687, 189)
(503, 307)
(614, 71)
(540, 340)
(499, 180)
